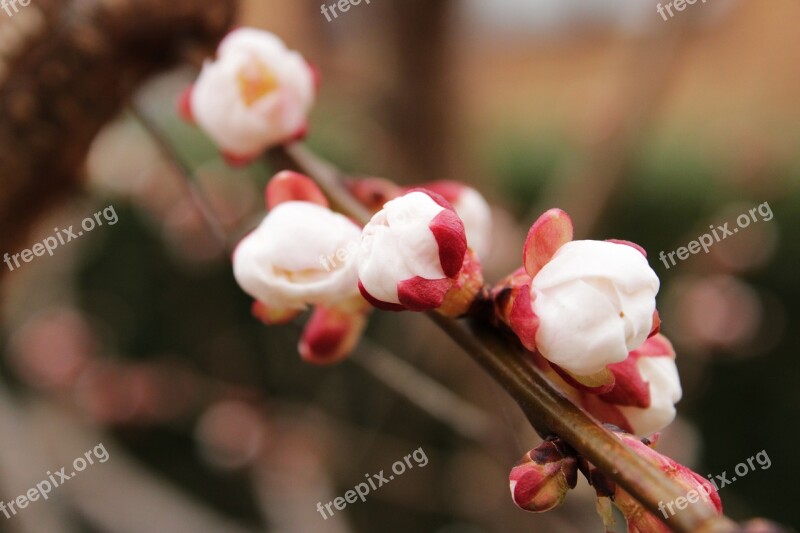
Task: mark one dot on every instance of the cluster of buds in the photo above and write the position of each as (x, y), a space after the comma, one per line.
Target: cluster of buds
(585, 309)
(541, 480)
(415, 254)
(412, 255)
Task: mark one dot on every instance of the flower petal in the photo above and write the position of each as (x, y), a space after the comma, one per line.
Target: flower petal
(522, 320)
(330, 335)
(288, 186)
(552, 230)
(379, 304)
(420, 294)
(448, 230)
(631, 244)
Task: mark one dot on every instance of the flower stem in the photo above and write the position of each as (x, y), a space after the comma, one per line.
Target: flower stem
(548, 411)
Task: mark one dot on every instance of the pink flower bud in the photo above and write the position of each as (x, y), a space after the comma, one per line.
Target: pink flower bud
(255, 95)
(374, 193)
(473, 210)
(411, 253)
(699, 491)
(331, 334)
(541, 480)
(289, 186)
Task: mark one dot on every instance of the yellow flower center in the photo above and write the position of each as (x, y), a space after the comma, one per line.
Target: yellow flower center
(255, 82)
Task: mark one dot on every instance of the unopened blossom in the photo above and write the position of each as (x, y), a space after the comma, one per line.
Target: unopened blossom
(468, 203)
(289, 263)
(646, 387)
(595, 302)
(645, 390)
(582, 304)
(411, 254)
(280, 262)
(699, 491)
(332, 332)
(472, 208)
(541, 480)
(255, 95)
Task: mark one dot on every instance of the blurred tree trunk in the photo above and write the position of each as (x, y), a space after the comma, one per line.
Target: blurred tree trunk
(67, 67)
(421, 105)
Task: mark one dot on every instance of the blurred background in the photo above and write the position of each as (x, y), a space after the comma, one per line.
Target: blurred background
(641, 128)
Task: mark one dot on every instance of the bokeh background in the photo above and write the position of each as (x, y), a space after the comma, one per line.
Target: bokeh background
(648, 130)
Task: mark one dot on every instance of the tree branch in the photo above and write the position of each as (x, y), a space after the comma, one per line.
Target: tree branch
(548, 411)
(66, 69)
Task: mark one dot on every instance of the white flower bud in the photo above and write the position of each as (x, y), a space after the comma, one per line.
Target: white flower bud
(290, 260)
(255, 95)
(411, 252)
(594, 301)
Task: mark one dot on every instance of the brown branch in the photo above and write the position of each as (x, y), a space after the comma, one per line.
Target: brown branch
(548, 411)
(67, 67)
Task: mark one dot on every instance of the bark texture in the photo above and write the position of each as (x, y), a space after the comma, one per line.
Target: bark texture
(67, 67)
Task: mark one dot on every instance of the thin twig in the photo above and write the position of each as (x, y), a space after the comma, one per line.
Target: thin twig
(546, 408)
(192, 191)
(424, 392)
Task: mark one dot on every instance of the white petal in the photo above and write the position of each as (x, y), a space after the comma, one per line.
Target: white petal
(580, 328)
(595, 301)
(476, 214)
(665, 392)
(290, 260)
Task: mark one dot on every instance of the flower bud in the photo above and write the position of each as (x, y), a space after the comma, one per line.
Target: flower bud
(540, 481)
(699, 491)
(411, 253)
(255, 95)
(646, 387)
(373, 193)
(595, 302)
(583, 305)
(644, 392)
(289, 261)
(332, 333)
(473, 210)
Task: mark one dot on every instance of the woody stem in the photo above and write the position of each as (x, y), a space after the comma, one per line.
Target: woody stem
(548, 411)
